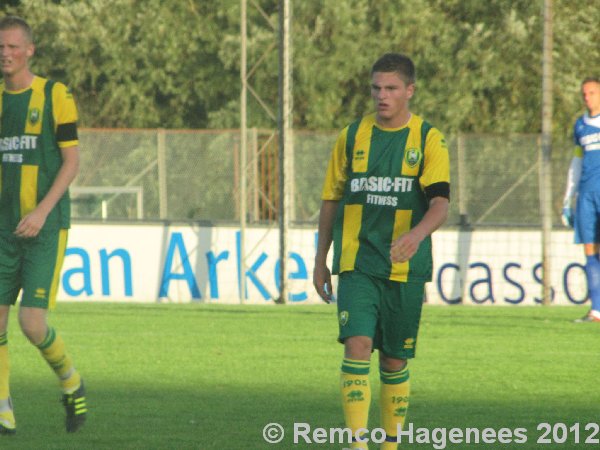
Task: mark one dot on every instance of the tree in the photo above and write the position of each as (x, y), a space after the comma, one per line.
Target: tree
(134, 63)
(150, 65)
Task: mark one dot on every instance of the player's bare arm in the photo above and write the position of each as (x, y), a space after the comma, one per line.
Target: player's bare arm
(321, 273)
(31, 224)
(407, 244)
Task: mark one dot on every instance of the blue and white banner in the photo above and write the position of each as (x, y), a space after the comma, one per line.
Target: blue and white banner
(149, 263)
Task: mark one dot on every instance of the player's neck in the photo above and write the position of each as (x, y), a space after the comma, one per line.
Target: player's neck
(18, 81)
(397, 121)
(593, 112)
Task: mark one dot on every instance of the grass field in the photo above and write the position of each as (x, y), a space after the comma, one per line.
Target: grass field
(211, 377)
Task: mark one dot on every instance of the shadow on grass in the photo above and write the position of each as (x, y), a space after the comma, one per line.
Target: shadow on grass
(232, 417)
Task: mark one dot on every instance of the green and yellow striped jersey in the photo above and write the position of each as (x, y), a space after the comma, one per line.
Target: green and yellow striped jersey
(383, 179)
(35, 123)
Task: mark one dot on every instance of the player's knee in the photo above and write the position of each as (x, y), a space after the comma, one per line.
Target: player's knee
(33, 333)
(4, 310)
(391, 364)
(358, 347)
(33, 329)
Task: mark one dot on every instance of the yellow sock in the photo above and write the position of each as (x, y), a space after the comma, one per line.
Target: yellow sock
(4, 367)
(53, 351)
(356, 396)
(7, 418)
(395, 392)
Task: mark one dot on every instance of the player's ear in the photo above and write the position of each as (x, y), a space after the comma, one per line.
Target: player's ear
(410, 90)
(30, 50)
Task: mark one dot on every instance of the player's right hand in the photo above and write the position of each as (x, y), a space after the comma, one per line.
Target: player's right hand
(567, 217)
(404, 247)
(31, 224)
(322, 282)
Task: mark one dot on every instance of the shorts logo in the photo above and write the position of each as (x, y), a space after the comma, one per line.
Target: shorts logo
(40, 293)
(412, 156)
(34, 116)
(344, 315)
(409, 343)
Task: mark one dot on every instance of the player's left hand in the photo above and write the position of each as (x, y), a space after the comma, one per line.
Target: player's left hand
(567, 217)
(31, 224)
(404, 247)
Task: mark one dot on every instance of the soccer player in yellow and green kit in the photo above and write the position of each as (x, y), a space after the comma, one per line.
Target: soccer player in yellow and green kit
(386, 190)
(39, 148)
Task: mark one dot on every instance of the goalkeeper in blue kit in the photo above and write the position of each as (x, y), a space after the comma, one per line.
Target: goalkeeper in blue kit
(583, 186)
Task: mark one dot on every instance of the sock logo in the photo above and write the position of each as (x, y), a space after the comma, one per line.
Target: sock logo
(400, 412)
(356, 382)
(355, 396)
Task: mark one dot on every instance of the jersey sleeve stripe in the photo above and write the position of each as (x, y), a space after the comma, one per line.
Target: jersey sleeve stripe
(66, 132)
(441, 189)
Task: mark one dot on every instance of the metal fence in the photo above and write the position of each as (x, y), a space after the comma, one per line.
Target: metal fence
(195, 175)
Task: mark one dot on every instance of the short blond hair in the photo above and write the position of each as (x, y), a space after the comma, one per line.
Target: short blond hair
(8, 22)
(590, 80)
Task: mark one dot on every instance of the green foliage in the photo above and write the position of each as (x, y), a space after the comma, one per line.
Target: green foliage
(133, 64)
(177, 64)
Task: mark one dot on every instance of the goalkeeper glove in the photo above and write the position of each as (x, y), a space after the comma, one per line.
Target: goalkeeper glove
(567, 217)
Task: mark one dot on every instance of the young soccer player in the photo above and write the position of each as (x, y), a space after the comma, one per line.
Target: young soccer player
(40, 157)
(583, 182)
(386, 190)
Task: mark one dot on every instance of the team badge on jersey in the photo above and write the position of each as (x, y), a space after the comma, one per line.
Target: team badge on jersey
(34, 115)
(412, 156)
(344, 315)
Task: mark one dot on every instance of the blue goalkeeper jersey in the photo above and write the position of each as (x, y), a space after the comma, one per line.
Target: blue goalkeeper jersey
(587, 138)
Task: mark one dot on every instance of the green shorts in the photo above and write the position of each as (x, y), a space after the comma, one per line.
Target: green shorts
(387, 311)
(32, 265)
